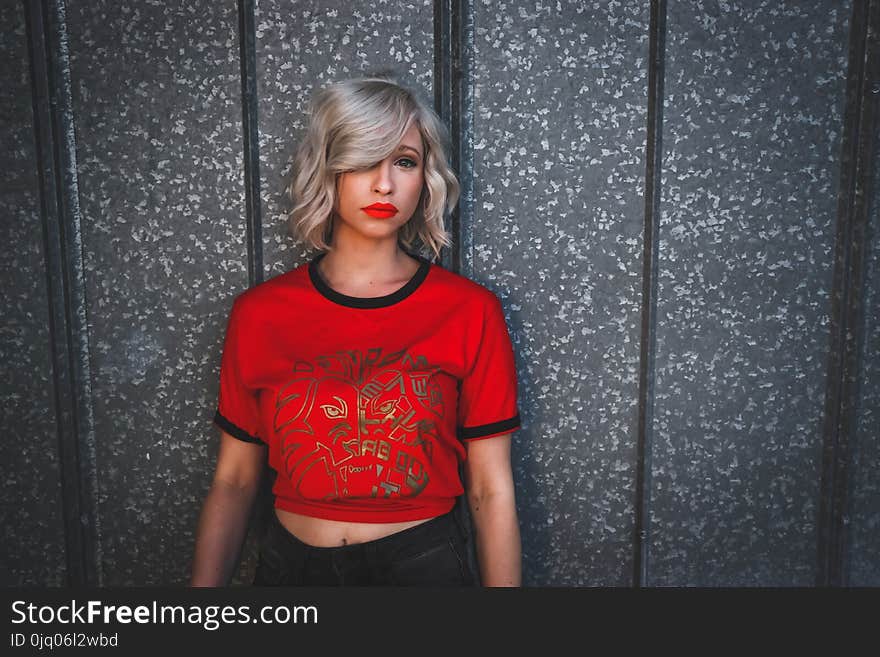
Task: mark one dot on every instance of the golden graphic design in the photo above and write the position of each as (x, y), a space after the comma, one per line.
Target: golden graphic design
(356, 424)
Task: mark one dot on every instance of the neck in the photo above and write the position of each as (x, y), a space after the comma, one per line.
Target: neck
(355, 259)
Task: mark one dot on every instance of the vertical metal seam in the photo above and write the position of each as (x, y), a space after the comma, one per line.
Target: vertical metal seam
(451, 101)
(247, 57)
(653, 155)
(78, 352)
(454, 83)
(65, 280)
(847, 292)
(466, 127)
(863, 206)
(251, 134)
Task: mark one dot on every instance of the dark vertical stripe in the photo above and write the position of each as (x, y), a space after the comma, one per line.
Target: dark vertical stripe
(848, 291)
(60, 215)
(453, 34)
(653, 155)
(247, 36)
(451, 101)
(247, 56)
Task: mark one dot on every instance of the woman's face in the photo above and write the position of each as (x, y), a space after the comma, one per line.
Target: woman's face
(395, 181)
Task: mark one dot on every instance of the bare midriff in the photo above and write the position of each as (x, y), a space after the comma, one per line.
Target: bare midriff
(320, 532)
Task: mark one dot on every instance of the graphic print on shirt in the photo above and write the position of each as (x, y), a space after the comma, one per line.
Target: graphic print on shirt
(359, 424)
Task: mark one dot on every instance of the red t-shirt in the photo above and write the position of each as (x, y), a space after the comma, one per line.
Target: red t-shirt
(365, 403)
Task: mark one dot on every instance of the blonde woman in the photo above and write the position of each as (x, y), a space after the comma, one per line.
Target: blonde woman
(367, 375)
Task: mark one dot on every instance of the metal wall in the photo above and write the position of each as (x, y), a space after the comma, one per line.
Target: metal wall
(676, 203)
(752, 125)
(861, 558)
(31, 497)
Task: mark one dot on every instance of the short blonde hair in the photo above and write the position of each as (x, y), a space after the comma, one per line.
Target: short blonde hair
(355, 124)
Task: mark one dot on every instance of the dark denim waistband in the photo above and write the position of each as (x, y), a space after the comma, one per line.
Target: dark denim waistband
(439, 526)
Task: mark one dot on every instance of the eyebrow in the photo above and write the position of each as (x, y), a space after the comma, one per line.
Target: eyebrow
(405, 147)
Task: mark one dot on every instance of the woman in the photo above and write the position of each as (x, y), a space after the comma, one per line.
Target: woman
(369, 373)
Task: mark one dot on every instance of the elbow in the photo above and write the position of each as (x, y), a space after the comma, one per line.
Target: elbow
(489, 497)
(239, 489)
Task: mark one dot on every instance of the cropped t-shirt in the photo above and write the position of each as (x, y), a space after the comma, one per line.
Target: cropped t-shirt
(366, 403)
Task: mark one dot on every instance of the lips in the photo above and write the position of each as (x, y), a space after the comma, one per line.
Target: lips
(380, 210)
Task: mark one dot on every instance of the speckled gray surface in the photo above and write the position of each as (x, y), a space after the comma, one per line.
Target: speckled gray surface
(302, 46)
(156, 93)
(560, 116)
(30, 509)
(753, 119)
(752, 127)
(863, 540)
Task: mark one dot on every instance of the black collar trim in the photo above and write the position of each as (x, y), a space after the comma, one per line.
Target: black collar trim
(369, 302)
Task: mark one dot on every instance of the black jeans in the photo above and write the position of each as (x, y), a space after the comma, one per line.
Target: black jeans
(430, 554)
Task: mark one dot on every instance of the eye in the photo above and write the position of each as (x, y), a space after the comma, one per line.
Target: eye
(387, 406)
(412, 164)
(332, 411)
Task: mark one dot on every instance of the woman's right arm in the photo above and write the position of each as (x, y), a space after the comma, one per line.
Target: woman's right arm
(226, 511)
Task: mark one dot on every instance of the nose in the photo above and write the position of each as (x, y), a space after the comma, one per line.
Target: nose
(382, 184)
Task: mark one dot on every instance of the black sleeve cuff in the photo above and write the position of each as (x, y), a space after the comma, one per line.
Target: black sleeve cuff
(464, 433)
(234, 431)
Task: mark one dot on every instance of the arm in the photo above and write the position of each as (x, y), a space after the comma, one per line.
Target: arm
(490, 495)
(226, 511)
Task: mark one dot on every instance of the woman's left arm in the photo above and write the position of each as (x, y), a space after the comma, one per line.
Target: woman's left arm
(490, 494)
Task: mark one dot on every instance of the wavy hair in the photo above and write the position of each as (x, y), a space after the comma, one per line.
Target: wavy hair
(354, 124)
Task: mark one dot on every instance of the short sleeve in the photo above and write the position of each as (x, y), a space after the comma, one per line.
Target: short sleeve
(487, 402)
(237, 408)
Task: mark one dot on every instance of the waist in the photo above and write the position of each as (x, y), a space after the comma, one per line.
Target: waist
(362, 512)
(321, 532)
(382, 541)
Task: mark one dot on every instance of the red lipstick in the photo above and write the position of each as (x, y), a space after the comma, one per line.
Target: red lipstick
(380, 210)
